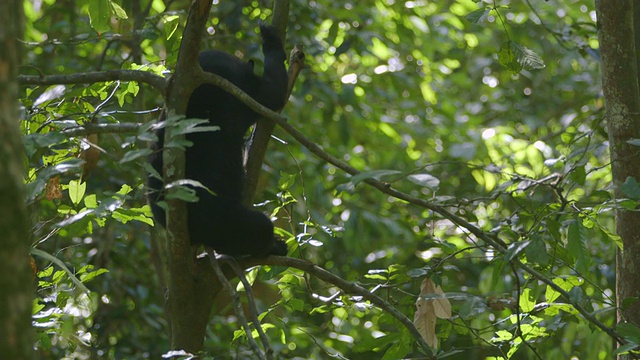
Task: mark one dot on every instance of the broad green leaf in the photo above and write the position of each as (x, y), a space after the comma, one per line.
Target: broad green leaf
(631, 188)
(398, 350)
(118, 11)
(629, 331)
(576, 244)
(426, 180)
(100, 15)
(526, 57)
(536, 252)
(507, 58)
(527, 303)
(478, 16)
(76, 191)
(91, 201)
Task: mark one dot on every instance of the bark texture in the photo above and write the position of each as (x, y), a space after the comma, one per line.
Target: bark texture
(190, 290)
(16, 278)
(622, 103)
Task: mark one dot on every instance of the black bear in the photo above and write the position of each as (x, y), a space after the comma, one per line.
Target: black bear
(216, 157)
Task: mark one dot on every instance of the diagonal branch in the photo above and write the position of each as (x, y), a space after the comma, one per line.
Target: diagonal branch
(237, 305)
(385, 188)
(347, 286)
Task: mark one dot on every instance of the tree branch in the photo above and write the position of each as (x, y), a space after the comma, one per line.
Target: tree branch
(253, 309)
(237, 305)
(385, 188)
(86, 129)
(346, 286)
(157, 82)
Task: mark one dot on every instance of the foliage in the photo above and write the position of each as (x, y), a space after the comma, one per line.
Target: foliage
(447, 101)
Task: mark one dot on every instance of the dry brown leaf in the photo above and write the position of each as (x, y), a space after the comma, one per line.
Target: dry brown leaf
(428, 309)
(53, 190)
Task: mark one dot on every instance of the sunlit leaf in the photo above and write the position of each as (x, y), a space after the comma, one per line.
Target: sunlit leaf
(478, 16)
(99, 15)
(426, 180)
(76, 191)
(526, 57)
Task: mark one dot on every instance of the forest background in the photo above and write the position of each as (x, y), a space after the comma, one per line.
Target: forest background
(480, 126)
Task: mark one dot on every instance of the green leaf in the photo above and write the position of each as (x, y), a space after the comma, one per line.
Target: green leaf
(478, 16)
(118, 11)
(631, 188)
(576, 244)
(629, 331)
(578, 175)
(426, 180)
(565, 284)
(100, 15)
(625, 349)
(126, 215)
(286, 180)
(76, 191)
(171, 24)
(507, 58)
(92, 275)
(516, 57)
(371, 344)
(526, 302)
(555, 308)
(124, 190)
(91, 201)
(189, 126)
(614, 237)
(536, 252)
(526, 57)
(55, 260)
(501, 336)
(182, 191)
(398, 350)
(135, 154)
(34, 142)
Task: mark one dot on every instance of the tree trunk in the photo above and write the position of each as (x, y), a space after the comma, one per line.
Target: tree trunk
(190, 290)
(16, 279)
(622, 103)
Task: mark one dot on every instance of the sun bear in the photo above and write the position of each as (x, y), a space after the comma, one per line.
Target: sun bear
(215, 159)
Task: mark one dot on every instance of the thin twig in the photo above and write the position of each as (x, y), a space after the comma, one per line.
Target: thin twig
(519, 313)
(253, 309)
(102, 129)
(237, 305)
